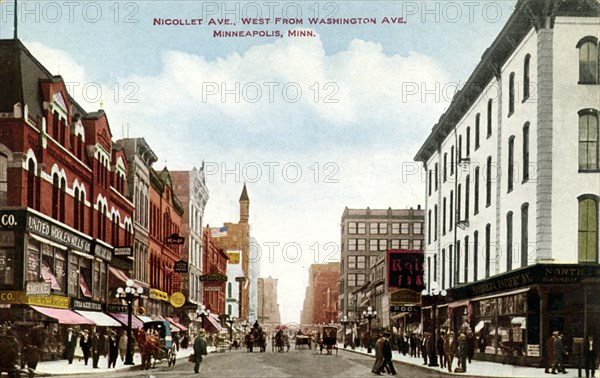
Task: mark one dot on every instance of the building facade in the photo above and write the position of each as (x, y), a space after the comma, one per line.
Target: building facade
(190, 187)
(268, 307)
(366, 234)
(513, 184)
(322, 294)
(214, 278)
(63, 202)
(253, 276)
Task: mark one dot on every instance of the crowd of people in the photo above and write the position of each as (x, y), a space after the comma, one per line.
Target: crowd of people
(94, 343)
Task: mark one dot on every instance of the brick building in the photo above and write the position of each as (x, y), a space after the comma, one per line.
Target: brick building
(322, 294)
(63, 200)
(214, 279)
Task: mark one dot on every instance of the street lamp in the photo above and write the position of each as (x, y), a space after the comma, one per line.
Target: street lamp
(369, 314)
(202, 312)
(230, 322)
(435, 295)
(129, 294)
(345, 321)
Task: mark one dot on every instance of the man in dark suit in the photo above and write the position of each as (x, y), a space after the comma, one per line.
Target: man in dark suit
(559, 354)
(386, 351)
(199, 351)
(70, 344)
(96, 348)
(590, 353)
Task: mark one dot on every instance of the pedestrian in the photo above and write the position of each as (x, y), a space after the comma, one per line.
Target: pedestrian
(123, 345)
(413, 345)
(386, 353)
(96, 346)
(559, 355)
(113, 349)
(590, 353)
(85, 345)
(482, 342)
(185, 341)
(70, 342)
(450, 349)
(199, 351)
(431, 345)
(550, 352)
(440, 349)
(378, 355)
(463, 351)
(424, 344)
(472, 345)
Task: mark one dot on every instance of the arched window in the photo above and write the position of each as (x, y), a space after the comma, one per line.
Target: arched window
(511, 94)
(63, 190)
(526, 77)
(588, 140)
(588, 60)
(588, 228)
(76, 209)
(55, 195)
(81, 211)
(31, 184)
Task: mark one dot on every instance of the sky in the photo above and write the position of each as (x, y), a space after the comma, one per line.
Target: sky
(311, 124)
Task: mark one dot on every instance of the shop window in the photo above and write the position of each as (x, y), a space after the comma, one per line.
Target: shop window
(7, 260)
(588, 228)
(48, 269)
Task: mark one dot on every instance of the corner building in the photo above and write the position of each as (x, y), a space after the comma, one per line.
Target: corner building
(513, 186)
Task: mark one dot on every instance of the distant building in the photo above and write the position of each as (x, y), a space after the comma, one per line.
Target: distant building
(253, 275)
(322, 294)
(268, 308)
(214, 277)
(235, 283)
(513, 184)
(366, 235)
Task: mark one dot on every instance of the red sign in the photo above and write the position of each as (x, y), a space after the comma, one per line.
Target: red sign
(405, 269)
(176, 282)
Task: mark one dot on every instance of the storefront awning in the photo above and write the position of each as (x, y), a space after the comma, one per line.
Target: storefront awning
(135, 322)
(458, 304)
(63, 316)
(519, 291)
(177, 324)
(99, 318)
(145, 319)
(121, 276)
(211, 324)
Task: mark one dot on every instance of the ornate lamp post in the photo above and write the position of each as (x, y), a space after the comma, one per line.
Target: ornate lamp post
(129, 294)
(202, 312)
(435, 295)
(345, 321)
(230, 321)
(369, 314)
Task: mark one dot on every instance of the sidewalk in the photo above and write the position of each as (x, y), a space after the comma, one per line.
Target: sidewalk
(62, 367)
(474, 369)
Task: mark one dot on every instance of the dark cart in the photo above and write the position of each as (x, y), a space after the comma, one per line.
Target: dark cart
(166, 348)
(303, 341)
(10, 357)
(329, 340)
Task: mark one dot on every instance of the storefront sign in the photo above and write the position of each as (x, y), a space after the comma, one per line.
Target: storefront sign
(20, 297)
(416, 309)
(81, 304)
(214, 277)
(116, 308)
(177, 299)
(533, 350)
(234, 257)
(123, 251)
(213, 288)
(157, 294)
(12, 220)
(175, 282)
(405, 270)
(37, 288)
(175, 239)
(180, 266)
(57, 233)
(9, 296)
(404, 296)
(102, 252)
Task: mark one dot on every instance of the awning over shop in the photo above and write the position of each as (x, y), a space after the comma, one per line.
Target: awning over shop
(177, 324)
(211, 324)
(135, 322)
(518, 291)
(99, 318)
(121, 276)
(458, 304)
(63, 316)
(145, 319)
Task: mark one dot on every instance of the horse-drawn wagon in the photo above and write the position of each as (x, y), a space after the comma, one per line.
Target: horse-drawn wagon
(156, 343)
(328, 340)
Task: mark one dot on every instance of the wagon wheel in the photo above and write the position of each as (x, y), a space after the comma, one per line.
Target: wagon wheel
(174, 356)
(170, 357)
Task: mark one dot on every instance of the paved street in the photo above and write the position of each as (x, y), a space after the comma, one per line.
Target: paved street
(296, 363)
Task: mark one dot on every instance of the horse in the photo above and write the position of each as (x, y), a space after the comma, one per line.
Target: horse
(148, 345)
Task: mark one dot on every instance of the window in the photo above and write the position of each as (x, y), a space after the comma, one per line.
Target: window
(443, 262)
(361, 262)
(451, 211)
(451, 160)
(588, 60)
(428, 271)
(417, 244)
(467, 195)
(588, 140)
(373, 245)
(395, 228)
(445, 167)
(476, 196)
(488, 183)
(511, 94)
(63, 190)
(395, 244)
(477, 130)
(489, 118)
(361, 245)
(466, 247)
(360, 279)
(511, 163)
(351, 279)
(526, 152)
(229, 290)
(352, 243)
(382, 244)
(526, 77)
(468, 142)
(435, 222)
(30, 183)
(457, 264)
(417, 228)
(444, 216)
(55, 196)
(404, 244)
(430, 178)
(76, 208)
(524, 233)
(429, 227)
(361, 228)
(352, 228)
(378, 228)
(488, 230)
(450, 265)
(475, 254)
(435, 176)
(459, 152)
(458, 203)
(588, 228)
(372, 261)
(435, 267)
(404, 228)
(509, 240)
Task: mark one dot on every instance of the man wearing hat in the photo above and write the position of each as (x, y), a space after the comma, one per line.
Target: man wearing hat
(550, 352)
(386, 351)
(463, 350)
(199, 351)
(70, 343)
